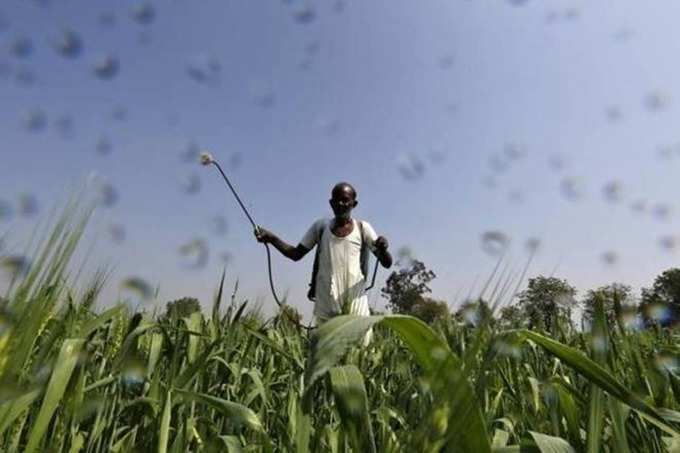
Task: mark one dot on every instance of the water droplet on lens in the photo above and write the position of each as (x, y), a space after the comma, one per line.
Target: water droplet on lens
(190, 184)
(117, 233)
(610, 258)
(446, 61)
(69, 44)
(34, 120)
(143, 13)
(194, 253)
(107, 195)
(572, 188)
(614, 113)
(103, 145)
(304, 14)
(107, 19)
(661, 212)
(556, 162)
(532, 244)
(656, 101)
(14, 266)
(495, 243)
(410, 166)
(119, 113)
(612, 191)
(137, 287)
(639, 206)
(667, 362)
(106, 67)
(28, 205)
(204, 68)
(21, 47)
(668, 243)
(220, 226)
(24, 77)
(65, 126)
(5, 210)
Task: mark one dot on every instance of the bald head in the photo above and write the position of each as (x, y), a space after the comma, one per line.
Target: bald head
(343, 188)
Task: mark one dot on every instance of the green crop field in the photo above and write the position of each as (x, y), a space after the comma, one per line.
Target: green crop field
(78, 379)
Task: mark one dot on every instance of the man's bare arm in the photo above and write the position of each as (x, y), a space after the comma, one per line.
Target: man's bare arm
(287, 250)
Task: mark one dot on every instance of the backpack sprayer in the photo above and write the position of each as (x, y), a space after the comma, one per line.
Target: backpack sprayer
(207, 159)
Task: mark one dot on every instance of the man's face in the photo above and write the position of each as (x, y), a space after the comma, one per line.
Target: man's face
(343, 202)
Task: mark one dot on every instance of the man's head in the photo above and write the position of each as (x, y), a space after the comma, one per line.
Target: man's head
(343, 200)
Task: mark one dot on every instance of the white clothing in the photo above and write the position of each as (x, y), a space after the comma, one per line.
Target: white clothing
(339, 279)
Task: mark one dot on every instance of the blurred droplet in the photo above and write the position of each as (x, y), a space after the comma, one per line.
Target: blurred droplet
(404, 256)
(446, 62)
(235, 160)
(107, 19)
(65, 126)
(518, 2)
(661, 212)
(410, 166)
(137, 287)
(143, 13)
(613, 113)
(471, 313)
(4, 23)
(106, 67)
(5, 70)
(194, 253)
(204, 68)
(668, 243)
(103, 145)
(304, 14)
(220, 225)
(117, 232)
(119, 113)
(14, 266)
(133, 371)
(572, 188)
(532, 244)
(28, 205)
(612, 191)
(599, 343)
(34, 120)
(556, 162)
(659, 312)
(312, 48)
(190, 184)
(339, 6)
(106, 194)
(190, 153)
(639, 206)
(630, 318)
(667, 362)
(656, 101)
(498, 164)
(437, 156)
(623, 34)
(506, 347)
(5, 210)
(21, 47)
(329, 126)
(24, 77)
(69, 44)
(144, 37)
(262, 93)
(609, 258)
(495, 243)
(489, 182)
(516, 196)
(514, 151)
(226, 258)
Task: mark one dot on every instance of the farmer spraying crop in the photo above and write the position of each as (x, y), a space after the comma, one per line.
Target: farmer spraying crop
(338, 284)
(340, 267)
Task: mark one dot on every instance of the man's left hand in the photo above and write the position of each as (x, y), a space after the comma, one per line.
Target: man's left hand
(381, 243)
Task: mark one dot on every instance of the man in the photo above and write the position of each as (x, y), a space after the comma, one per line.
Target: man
(338, 286)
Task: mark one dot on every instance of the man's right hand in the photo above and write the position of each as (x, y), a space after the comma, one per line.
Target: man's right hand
(263, 235)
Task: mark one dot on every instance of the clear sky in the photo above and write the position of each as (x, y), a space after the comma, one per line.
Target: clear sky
(451, 118)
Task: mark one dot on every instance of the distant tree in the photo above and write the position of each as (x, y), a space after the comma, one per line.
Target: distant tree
(546, 302)
(406, 288)
(430, 310)
(661, 303)
(511, 317)
(613, 296)
(181, 308)
(289, 314)
(474, 312)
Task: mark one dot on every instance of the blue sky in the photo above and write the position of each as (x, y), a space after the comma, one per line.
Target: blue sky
(346, 95)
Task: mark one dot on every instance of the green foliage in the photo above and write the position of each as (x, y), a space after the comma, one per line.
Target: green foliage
(181, 308)
(611, 296)
(547, 303)
(665, 292)
(75, 379)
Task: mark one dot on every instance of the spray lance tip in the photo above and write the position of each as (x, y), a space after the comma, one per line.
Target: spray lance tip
(206, 158)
